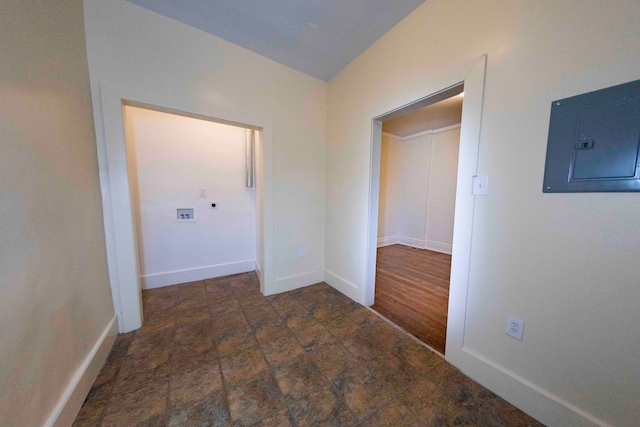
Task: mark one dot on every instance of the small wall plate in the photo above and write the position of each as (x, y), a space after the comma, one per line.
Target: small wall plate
(185, 215)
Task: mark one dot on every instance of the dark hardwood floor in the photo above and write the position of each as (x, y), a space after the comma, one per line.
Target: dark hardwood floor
(412, 290)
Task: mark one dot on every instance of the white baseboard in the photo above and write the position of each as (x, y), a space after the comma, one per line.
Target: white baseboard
(69, 404)
(342, 285)
(415, 243)
(120, 323)
(409, 241)
(438, 247)
(386, 241)
(168, 278)
(286, 284)
(541, 404)
(259, 272)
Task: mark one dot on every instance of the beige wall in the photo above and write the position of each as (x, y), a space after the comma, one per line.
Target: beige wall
(418, 190)
(389, 203)
(565, 263)
(415, 158)
(442, 189)
(55, 300)
(142, 56)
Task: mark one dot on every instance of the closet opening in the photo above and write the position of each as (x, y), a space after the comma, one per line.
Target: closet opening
(195, 199)
(419, 154)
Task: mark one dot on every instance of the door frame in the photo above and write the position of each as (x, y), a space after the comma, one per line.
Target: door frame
(470, 127)
(117, 206)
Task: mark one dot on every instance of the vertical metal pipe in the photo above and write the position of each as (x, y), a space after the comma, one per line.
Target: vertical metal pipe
(249, 161)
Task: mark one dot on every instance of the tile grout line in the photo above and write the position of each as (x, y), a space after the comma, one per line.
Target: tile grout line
(269, 368)
(389, 352)
(168, 411)
(329, 382)
(219, 357)
(104, 409)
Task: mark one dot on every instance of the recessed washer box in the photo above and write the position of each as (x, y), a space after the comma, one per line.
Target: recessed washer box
(594, 142)
(185, 214)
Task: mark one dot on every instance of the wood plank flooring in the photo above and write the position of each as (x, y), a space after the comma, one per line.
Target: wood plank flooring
(412, 290)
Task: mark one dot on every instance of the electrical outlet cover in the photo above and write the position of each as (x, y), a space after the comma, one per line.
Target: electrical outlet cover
(515, 327)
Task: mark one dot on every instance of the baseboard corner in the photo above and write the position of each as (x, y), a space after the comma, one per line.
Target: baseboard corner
(289, 283)
(69, 404)
(342, 285)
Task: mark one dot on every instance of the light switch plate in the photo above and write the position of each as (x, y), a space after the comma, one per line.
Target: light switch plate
(480, 184)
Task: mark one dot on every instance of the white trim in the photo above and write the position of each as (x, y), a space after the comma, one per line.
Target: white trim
(120, 323)
(105, 192)
(289, 283)
(258, 271)
(390, 135)
(423, 133)
(543, 405)
(114, 183)
(168, 278)
(410, 241)
(464, 213)
(445, 248)
(431, 245)
(342, 285)
(387, 241)
(444, 129)
(367, 277)
(69, 404)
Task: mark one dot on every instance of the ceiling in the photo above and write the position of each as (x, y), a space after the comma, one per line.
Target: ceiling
(435, 116)
(316, 37)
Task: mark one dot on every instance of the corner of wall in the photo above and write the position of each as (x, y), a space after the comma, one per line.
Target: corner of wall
(69, 404)
(342, 285)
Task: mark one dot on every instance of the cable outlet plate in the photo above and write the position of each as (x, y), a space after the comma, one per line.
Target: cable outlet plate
(515, 327)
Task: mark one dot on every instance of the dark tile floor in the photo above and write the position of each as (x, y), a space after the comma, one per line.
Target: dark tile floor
(218, 353)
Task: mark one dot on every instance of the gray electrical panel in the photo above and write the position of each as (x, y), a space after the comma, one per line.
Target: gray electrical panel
(594, 142)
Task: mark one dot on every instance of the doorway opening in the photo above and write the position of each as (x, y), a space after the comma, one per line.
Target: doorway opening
(470, 75)
(417, 193)
(193, 196)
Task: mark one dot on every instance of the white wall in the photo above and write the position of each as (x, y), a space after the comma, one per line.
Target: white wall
(56, 316)
(415, 159)
(390, 173)
(441, 202)
(138, 55)
(171, 159)
(565, 263)
(418, 189)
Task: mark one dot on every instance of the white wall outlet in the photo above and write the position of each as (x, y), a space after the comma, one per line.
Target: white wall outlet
(203, 193)
(515, 327)
(302, 251)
